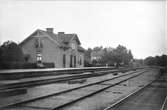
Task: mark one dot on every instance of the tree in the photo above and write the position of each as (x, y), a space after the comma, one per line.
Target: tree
(122, 55)
(11, 52)
(98, 48)
(163, 60)
(150, 61)
(108, 58)
(96, 55)
(87, 59)
(119, 56)
(157, 60)
(128, 57)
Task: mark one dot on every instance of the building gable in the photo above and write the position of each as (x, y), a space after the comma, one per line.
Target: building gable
(38, 34)
(75, 37)
(62, 40)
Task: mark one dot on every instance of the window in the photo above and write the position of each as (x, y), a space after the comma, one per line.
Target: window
(75, 61)
(27, 57)
(39, 57)
(38, 45)
(73, 46)
(70, 60)
(64, 60)
(80, 61)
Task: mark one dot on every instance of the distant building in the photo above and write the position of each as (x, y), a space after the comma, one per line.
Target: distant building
(96, 55)
(64, 50)
(137, 63)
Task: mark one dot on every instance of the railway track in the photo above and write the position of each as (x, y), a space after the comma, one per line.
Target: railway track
(31, 82)
(110, 107)
(152, 96)
(37, 103)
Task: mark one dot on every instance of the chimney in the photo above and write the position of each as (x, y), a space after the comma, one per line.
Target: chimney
(50, 30)
(61, 33)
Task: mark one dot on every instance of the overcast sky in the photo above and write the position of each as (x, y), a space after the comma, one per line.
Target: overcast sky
(138, 25)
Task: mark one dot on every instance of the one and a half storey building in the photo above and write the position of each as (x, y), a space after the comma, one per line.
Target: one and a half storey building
(64, 50)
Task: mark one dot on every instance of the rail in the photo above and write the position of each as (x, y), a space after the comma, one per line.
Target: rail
(27, 101)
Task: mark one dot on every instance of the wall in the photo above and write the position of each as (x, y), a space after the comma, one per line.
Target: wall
(51, 52)
(29, 48)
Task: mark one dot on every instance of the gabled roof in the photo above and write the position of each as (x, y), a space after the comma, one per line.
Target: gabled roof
(81, 49)
(29, 37)
(65, 38)
(62, 40)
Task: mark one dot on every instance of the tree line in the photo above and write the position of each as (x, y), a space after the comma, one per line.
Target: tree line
(11, 52)
(119, 56)
(156, 61)
(11, 55)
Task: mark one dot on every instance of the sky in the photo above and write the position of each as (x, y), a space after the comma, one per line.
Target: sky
(138, 25)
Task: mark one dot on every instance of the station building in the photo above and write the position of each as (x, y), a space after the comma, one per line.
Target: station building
(64, 50)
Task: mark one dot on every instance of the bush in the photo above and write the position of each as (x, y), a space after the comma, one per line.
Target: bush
(87, 64)
(49, 65)
(163, 70)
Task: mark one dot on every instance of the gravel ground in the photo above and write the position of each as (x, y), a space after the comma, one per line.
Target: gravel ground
(109, 96)
(55, 101)
(38, 91)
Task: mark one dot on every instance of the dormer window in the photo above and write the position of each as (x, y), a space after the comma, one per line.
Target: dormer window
(73, 45)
